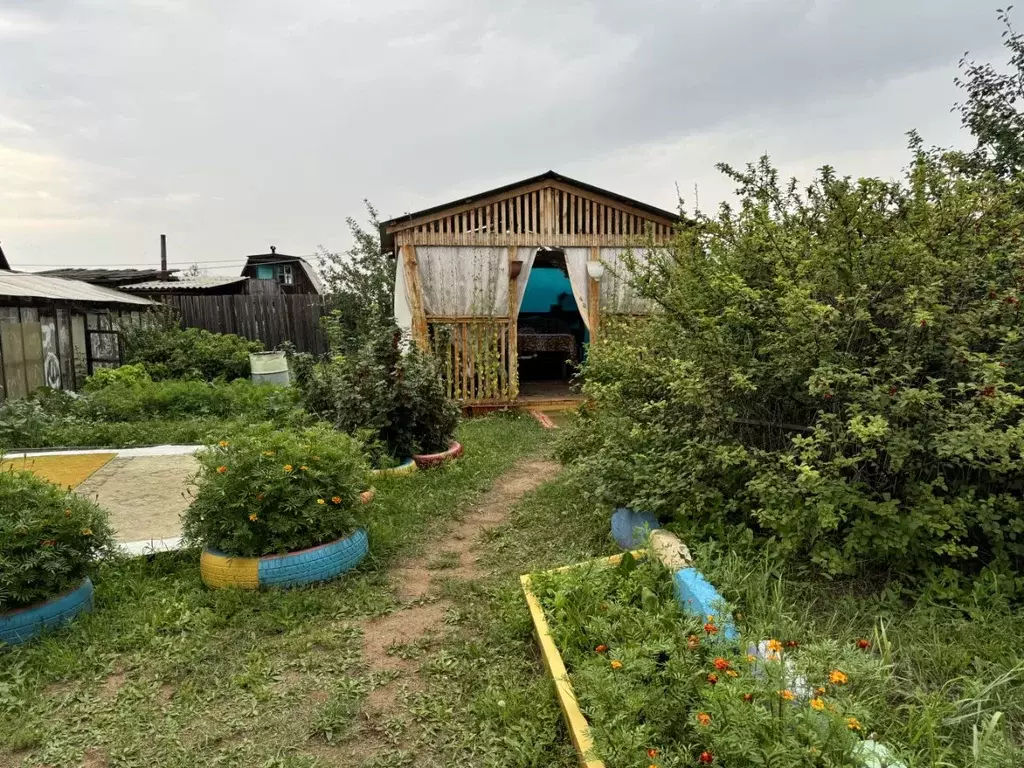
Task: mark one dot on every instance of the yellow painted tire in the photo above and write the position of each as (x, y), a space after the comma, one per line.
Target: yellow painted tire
(220, 571)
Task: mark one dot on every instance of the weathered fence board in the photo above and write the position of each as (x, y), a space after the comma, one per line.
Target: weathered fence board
(272, 319)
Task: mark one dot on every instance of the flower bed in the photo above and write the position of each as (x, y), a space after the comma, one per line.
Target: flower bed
(641, 683)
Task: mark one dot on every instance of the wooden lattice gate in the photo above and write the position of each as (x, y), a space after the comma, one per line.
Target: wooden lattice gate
(478, 358)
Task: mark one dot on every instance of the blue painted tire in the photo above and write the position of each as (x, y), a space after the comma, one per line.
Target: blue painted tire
(312, 565)
(22, 625)
(630, 529)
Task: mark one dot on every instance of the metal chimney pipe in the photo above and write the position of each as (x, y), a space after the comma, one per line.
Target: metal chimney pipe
(163, 253)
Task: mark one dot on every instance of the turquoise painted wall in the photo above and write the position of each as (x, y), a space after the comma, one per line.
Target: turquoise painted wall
(544, 287)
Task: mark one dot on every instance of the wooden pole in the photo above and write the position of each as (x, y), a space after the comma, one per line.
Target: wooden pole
(415, 287)
(594, 300)
(513, 335)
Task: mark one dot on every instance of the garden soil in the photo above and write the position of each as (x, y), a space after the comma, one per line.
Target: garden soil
(417, 585)
(145, 495)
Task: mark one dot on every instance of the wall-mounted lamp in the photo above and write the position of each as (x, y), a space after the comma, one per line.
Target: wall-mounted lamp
(595, 269)
(514, 268)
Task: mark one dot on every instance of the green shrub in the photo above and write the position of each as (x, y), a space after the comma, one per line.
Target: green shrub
(170, 352)
(839, 370)
(23, 423)
(125, 375)
(267, 491)
(393, 400)
(50, 539)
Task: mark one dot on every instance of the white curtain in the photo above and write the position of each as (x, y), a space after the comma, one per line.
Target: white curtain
(464, 282)
(403, 311)
(576, 263)
(527, 256)
(617, 295)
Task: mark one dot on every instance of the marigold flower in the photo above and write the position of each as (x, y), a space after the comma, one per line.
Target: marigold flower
(692, 642)
(703, 718)
(820, 691)
(48, 542)
(87, 531)
(732, 673)
(652, 753)
(721, 664)
(253, 517)
(817, 704)
(751, 658)
(706, 757)
(853, 723)
(222, 469)
(792, 644)
(863, 644)
(601, 648)
(774, 646)
(710, 628)
(787, 694)
(303, 468)
(712, 679)
(223, 443)
(67, 513)
(748, 697)
(320, 501)
(616, 664)
(836, 677)
(336, 499)
(259, 497)
(287, 467)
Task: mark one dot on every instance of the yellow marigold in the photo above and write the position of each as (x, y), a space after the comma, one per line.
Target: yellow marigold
(253, 517)
(820, 691)
(774, 646)
(836, 677)
(223, 443)
(320, 501)
(817, 704)
(787, 694)
(751, 658)
(732, 673)
(87, 531)
(853, 723)
(287, 467)
(704, 718)
(222, 469)
(616, 664)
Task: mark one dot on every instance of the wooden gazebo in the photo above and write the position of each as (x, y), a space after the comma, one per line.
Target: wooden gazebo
(462, 269)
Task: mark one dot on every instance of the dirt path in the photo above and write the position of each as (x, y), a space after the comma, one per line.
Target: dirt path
(452, 554)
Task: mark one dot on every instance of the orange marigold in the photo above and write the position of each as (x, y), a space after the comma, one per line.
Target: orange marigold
(712, 679)
(837, 677)
(774, 646)
(616, 664)
(748, 697)
(863, 644)
(787, 694)
(287, 467)
(817, 704)
(336, 499)
(652, 753)
(706, 757)
(703, 718)
(223, 443)
(710, 628)
(692, 642)
(721, 664)
(853, 723)
(222, 469)
(303, 467)
(601, 648)
(253, 517)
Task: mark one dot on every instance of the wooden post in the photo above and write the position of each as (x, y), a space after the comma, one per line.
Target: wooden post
(594, 299)
(513, 333)
(414, 285)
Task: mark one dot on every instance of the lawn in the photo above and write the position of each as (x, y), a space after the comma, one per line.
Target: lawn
(167, 672)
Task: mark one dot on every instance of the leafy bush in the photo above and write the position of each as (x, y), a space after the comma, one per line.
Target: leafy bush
(393, 400)
(839, 370)
(657, 686)
(125, 375)
(266, 491)
(168, 351)
(50, 539)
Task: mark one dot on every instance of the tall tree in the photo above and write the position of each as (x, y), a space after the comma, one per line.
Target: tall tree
(361, 280)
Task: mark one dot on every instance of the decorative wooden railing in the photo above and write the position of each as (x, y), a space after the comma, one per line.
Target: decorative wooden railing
(478, 357)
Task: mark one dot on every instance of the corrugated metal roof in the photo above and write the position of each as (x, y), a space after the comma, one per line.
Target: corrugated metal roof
(107, 276)
(182, 284)
(25, 285)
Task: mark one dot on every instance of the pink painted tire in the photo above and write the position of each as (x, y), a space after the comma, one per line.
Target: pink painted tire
(428, 460)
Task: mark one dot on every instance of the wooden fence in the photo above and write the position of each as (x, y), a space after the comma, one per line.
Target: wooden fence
(271, 319)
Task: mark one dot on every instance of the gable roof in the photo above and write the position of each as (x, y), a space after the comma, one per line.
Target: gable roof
(387, 240)
(283, 258)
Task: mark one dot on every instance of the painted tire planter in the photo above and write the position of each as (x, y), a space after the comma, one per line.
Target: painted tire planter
(406, 467)
(307, 566)
(631, 528)
(23, 624)
(428, 460)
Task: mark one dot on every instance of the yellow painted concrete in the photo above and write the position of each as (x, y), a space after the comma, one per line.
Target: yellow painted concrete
(65, 471)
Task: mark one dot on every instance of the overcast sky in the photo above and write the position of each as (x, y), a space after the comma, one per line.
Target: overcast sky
(234, 124)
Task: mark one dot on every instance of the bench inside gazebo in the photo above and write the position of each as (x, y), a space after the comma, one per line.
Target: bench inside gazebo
(509, 286)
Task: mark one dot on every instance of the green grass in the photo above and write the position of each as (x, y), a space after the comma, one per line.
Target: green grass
(169, 673)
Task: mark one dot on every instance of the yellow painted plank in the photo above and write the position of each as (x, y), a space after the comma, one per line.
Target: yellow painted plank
(579, 729)
(65, 471)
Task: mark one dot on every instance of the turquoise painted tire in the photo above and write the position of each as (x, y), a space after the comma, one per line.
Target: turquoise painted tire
(307, 566)
(22, 625)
